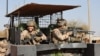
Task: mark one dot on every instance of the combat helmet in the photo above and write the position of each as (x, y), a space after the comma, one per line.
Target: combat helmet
(61, 22)
(31, 23)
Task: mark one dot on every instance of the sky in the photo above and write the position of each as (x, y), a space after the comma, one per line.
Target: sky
(80, 13)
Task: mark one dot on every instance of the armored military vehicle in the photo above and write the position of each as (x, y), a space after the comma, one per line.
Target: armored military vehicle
(43, 14)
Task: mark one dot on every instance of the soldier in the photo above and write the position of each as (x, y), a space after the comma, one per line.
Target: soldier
(77, 38)
(32, 35)
(86, 38)
(60, 35)
(3, 47)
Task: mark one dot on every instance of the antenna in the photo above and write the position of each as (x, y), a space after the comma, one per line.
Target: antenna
(89, 17)
(6, 6)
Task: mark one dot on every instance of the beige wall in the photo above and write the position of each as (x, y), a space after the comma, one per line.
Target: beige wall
(97, 38)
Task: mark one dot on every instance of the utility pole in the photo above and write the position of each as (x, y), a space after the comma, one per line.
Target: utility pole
(89, 18)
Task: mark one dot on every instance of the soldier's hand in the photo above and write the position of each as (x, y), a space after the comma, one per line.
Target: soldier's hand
(3, 43)
(3, 50)
(38, 39)
(69, 33)
(2, 54)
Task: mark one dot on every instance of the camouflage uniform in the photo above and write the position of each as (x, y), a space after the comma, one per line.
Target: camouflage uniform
(86, 38)
(29, 35)
(3, 47)
(58, 37)
(59, 34)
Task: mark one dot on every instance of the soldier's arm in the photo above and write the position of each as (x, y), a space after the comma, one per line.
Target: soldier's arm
(44, 37)
(58, 34)
(23, 34)
(40, 38)
(68, 34)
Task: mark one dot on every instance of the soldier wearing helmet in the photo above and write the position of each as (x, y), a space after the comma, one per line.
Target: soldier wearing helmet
(60, 35)
(32, 35)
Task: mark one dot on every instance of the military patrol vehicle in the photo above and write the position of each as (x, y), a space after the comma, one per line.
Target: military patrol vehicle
(45, 15)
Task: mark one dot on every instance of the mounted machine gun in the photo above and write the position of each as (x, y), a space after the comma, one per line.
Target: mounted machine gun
(75, 31)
